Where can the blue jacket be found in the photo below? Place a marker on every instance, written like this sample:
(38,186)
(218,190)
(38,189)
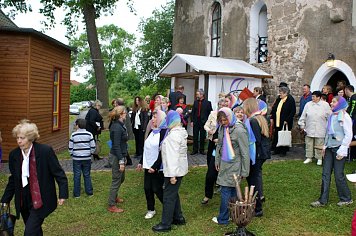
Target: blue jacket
(304,101)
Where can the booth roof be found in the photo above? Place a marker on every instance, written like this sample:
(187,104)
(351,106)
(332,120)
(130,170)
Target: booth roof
(183,65)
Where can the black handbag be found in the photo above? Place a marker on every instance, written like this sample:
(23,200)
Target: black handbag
(7,221)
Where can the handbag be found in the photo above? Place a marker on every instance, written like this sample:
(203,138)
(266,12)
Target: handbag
(284,137)
(7,221)
(97,147)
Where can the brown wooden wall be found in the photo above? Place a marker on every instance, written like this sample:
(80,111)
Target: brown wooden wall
(27,63)
(14,54)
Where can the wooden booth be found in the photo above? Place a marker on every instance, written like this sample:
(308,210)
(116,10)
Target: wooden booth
(34,85)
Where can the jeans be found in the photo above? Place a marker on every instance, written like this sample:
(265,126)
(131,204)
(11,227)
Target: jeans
(226,193)
(329,164)
(80,166)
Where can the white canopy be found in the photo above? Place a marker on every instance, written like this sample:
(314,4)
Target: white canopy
(182,65)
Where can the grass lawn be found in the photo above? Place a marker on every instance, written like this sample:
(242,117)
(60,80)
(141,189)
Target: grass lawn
(289,188)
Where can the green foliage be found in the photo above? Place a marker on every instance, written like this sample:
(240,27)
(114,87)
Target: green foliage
(81,93)
(155,48)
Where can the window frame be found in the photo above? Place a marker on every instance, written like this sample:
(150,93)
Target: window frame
(58,85)
(216,41)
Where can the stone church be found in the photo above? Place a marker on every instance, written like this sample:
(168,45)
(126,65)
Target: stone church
(289,39)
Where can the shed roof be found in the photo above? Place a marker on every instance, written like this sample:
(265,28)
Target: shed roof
(5,21)
(181,65)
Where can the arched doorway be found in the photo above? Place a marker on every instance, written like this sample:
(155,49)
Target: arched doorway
(330,75)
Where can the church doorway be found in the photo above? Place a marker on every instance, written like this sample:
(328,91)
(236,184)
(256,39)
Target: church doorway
(330,76)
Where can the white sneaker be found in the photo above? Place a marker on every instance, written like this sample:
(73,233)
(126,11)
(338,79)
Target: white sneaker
(215,220)
(150,214)
(320,162)
(308,160)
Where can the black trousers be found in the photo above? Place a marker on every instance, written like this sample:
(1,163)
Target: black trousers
(209,154)
(199,133)
(353,149)
(171,202)
(210,178)
(33,222)
(152,185)
(278,150)
(139,139)
(255,178)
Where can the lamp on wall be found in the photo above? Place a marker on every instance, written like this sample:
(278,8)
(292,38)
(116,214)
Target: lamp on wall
(330,62)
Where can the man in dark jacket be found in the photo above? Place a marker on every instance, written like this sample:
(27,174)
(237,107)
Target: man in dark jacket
(200,112)
(173,96)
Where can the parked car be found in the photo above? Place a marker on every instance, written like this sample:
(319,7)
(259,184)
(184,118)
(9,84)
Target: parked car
(86,103)
(79,105)
(74,110)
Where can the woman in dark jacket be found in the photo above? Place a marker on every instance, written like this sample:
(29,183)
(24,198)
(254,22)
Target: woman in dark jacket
(139,121)
(151,162)
(118,152)
(260,150)
(95,123)
(282,113)
(34,169)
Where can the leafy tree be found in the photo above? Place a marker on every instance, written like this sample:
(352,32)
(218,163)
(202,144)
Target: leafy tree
(116,49)
(82,10)
(81,93)
(155,48)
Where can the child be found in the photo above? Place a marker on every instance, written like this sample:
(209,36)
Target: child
(81,147)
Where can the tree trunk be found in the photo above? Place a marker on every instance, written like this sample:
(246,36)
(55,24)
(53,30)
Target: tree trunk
(95,52)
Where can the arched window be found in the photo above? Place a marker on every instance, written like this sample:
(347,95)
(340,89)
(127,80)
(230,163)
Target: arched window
(216,31)
(258,33)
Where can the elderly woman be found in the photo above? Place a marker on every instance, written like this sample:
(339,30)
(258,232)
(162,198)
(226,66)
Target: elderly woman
(152,161)
(34,168)
(336,144)
(175,166)
(95,123)
(282,114)
(211,174)
(231,158)
(313,122)
(117,156)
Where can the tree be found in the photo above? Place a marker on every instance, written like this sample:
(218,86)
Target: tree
(81,93)
(155,48)
(116,49)
(89,10)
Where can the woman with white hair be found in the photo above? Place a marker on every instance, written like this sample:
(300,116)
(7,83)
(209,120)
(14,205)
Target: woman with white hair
(34,169)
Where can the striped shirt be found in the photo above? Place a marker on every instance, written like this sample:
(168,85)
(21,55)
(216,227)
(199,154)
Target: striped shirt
(81,145)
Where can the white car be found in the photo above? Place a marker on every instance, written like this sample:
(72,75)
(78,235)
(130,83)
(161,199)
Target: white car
(74,110)
(86,103)
(79,105)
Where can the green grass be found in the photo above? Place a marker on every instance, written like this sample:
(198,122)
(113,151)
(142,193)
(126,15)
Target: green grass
(289,188)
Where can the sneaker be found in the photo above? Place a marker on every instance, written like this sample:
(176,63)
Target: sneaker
(308,160)
(341,203)
(317,204)
(215,220)
(150,214)
(320,162)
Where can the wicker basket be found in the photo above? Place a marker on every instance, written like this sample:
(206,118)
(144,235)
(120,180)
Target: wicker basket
(241,213)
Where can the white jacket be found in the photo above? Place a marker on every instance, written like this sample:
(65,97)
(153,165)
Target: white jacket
(314,119)
(174,153)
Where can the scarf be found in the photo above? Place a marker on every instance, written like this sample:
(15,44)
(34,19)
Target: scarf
(339,111)
(228,153)
(251,140)
(161,121)
(173,120)
(234,102)
(262,106)
(34,185)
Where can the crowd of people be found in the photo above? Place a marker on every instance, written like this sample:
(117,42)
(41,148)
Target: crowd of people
(241,137)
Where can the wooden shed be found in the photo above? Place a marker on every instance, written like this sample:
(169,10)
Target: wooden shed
(34,85)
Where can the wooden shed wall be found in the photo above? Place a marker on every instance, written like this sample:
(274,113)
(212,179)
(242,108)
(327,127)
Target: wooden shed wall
(44,58)
(27,63)
(14,56)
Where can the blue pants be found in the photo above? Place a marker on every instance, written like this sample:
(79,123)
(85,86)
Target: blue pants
(226,193)
(80,166)
(329,164)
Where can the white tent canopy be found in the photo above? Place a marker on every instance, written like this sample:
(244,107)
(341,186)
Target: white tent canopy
(182,64)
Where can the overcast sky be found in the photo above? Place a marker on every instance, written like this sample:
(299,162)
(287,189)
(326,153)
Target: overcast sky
(122,17)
